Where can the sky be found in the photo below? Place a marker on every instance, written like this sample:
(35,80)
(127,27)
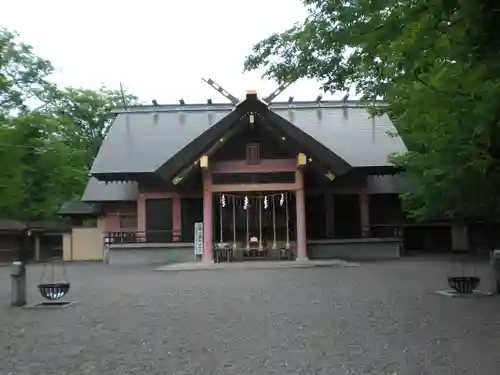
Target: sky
(157,49)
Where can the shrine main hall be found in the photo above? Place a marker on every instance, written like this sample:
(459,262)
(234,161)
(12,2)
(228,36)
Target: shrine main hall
(250,179)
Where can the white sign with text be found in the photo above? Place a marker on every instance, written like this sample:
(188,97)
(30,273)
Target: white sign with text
(198,239)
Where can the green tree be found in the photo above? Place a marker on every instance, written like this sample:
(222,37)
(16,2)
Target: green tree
(11,175)
(39,168)
(435,64)
(48,135)
(86,116)
(23,75)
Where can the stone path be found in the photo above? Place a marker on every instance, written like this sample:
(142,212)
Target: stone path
(378,318)
(206,266)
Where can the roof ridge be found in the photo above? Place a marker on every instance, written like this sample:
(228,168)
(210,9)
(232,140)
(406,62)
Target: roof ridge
(228,106)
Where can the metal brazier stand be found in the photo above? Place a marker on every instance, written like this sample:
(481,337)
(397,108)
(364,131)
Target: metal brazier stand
(465,283)
(54,290)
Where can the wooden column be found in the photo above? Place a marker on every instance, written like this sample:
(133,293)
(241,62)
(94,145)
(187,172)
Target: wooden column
(207,217)
(176,218)
(37,247)
(364,205)
(141,214)
(329,215)
(300,207)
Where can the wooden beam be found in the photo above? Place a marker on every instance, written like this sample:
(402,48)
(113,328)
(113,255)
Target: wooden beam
(265,166)
(183,174)
(221,188)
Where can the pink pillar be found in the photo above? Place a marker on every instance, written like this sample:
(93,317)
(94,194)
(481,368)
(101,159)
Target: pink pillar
(176,218)
(300,207)
(141,213)
(207,218)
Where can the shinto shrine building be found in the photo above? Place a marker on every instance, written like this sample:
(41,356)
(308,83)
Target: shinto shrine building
(288,180)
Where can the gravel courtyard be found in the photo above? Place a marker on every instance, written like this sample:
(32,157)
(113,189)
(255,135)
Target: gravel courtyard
(379,318)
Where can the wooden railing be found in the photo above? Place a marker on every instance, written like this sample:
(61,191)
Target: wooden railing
(136,237)
(168,236)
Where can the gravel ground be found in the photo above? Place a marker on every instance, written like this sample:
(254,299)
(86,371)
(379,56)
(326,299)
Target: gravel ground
(379,318)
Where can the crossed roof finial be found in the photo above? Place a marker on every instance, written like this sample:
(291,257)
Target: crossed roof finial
(234,100)
(269,99)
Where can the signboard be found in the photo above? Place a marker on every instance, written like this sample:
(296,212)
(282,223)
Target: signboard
(198,239)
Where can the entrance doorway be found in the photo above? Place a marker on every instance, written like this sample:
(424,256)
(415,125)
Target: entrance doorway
(257,223)
(159,220)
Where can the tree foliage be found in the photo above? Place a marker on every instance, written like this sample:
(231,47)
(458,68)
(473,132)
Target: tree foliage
(23,74)
(87,116)
(49,135)
(435,63)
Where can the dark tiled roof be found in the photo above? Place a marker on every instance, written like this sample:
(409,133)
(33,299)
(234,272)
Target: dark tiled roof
(79,208)
(97,191)
(350,133)
(7,225)
(11,225)
(50,226)
(141,140)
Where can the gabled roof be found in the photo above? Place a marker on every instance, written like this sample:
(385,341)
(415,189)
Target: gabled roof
(142,139)
(238,120)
